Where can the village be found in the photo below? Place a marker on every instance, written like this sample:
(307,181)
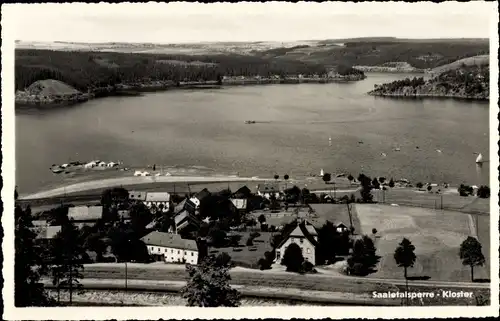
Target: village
(253,227)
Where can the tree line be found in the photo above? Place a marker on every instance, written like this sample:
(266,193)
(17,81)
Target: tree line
(87,70)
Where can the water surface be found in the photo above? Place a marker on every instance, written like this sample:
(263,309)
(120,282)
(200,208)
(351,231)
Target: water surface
(206,129)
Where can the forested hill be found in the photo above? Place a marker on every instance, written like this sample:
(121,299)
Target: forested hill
(87,70)
(466,82)
(420,54)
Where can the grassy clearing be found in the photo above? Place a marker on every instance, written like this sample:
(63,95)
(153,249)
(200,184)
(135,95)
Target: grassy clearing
(437,236)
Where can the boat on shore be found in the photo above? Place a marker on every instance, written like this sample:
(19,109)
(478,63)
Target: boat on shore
(249,121)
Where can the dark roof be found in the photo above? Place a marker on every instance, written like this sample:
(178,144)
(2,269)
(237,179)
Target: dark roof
(202,194)
(307,230)
(169,240)
(267,188)
(242,192)
(186,204)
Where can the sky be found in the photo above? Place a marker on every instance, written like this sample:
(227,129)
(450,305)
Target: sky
(186,23)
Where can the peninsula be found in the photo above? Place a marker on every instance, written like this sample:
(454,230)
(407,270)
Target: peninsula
(464,82)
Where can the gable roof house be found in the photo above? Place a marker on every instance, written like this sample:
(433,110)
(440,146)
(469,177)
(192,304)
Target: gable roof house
(304,234)
(242,192)
(171,248)
(158,199)
(198,197)
(184,220)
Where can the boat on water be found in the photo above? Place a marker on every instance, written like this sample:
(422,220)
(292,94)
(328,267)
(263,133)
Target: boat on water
(249,121)
(321,173)
(479,159)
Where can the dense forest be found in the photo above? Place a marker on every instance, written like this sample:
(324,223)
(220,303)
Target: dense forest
(87,70)
(471,82)
(419,54)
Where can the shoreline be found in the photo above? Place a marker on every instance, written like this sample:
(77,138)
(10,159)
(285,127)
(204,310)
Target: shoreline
(133,180)
(428,96)
(126,90)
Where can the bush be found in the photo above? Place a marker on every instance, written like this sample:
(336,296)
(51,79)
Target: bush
(374,230)
(249,241)
(465,190)
(483,191)
(419,185)
(429,188)
(307,266)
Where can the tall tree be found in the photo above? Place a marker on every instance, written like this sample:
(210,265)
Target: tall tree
(208,284)
(405,256)
(28,264)
(68,254)
(363,258)
(471,254)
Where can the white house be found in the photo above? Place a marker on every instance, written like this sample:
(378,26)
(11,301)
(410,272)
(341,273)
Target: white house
(341,228)
(267,190)
(171,248)
(198,197)
(305,236)
(90,164)
(157,199)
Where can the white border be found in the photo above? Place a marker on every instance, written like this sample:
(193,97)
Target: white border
(94,313)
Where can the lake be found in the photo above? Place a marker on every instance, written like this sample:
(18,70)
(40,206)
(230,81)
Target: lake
(204,130)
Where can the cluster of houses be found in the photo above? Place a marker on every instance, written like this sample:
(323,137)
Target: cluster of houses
(169,246)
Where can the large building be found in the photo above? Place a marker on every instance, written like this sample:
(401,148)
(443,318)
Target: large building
(305,236)
(159,200)
(171,248)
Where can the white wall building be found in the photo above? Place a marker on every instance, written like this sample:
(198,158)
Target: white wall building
(171,248)
(305,236)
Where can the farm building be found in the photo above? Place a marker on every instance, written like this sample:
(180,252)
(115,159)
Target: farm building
(171,248)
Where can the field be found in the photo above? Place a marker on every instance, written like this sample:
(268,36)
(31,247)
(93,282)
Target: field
(448,200)
(436,235)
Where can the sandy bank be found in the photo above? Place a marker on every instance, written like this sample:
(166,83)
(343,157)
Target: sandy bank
(133,180)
